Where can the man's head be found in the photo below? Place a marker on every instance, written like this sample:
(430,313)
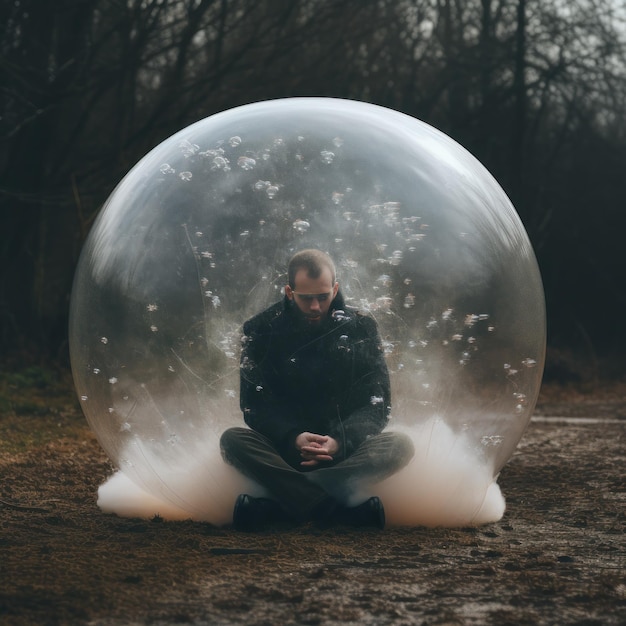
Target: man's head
(312,284)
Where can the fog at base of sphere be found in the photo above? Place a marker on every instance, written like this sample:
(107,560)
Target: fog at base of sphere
(445,485)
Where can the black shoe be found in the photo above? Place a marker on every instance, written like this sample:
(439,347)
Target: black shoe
(370,513)
(252,514)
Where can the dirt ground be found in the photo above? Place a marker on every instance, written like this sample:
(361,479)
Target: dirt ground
(557,557)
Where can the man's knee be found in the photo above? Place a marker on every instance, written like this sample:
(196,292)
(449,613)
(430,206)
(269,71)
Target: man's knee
(400,448)
(405,450)
(230,442)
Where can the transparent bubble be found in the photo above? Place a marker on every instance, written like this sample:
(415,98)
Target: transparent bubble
(301,226)
(246,163)
(424,240)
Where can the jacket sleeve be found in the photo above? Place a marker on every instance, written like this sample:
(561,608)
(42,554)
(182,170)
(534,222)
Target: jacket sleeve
(369,401)
(263,408)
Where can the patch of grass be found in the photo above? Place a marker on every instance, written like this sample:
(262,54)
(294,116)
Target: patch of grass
(30,408)
(38,404)
(36,391)
(34,376)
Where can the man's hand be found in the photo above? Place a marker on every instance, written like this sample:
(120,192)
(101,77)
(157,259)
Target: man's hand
(315,449)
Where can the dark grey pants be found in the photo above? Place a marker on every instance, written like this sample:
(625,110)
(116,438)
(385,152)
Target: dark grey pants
(301,493)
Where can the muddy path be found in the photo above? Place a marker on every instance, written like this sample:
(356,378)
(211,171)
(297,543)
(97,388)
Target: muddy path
(557,557)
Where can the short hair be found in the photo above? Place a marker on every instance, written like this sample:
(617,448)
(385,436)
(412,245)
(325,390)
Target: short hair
(313,261)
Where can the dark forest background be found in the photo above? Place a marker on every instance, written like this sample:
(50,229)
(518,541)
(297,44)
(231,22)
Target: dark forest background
(536,89)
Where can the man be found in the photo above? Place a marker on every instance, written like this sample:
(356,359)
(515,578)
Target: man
(315,393)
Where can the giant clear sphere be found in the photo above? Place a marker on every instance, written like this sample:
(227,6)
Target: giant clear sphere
(196,239)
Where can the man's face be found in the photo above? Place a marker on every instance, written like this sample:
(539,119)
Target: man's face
(313,296)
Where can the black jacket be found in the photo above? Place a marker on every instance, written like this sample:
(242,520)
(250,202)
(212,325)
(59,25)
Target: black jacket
(330,380)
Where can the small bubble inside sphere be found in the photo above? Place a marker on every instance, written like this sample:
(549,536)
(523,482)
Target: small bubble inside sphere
(196,239)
